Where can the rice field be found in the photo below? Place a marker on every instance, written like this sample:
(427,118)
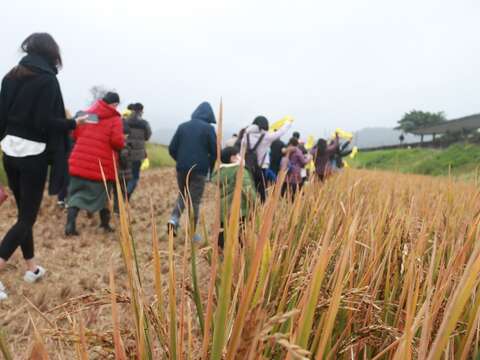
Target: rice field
(371,265)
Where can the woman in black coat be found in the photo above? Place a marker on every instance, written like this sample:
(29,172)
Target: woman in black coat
(33,135)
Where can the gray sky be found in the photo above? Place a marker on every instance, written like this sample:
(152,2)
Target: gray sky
(337,63)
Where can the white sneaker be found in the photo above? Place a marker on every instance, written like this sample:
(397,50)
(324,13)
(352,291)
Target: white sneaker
(31,277)
(3,294)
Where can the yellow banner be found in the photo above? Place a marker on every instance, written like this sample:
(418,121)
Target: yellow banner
(280,123)
(354,152)
(310,142)
(342,134)
(145,164)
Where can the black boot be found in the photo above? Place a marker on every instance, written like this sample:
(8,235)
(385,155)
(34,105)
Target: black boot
(71,228)
(105,220)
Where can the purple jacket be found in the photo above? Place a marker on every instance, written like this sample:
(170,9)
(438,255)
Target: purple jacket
(297,162)
(323,167)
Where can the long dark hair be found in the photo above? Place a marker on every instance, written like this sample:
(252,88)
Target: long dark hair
(44,45)
(321,147)
(293,142)
(261,122)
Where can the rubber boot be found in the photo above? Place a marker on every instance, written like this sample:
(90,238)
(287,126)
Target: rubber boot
(105,220)
(71,227)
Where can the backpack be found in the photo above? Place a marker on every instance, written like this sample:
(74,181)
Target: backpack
(251,158)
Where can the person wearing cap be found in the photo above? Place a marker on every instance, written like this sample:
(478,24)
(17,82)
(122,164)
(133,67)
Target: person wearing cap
(139,133)
(93,160)
(194,148)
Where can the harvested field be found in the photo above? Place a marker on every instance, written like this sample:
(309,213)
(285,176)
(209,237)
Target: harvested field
(369,264)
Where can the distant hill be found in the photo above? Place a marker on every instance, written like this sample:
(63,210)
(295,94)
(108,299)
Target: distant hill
(378,136)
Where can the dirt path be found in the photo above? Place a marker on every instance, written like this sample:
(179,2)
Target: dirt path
(79,266)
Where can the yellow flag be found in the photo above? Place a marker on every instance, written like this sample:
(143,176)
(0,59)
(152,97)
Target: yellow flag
(280,123)
(310,142)
(343,134)
(126,113)
(310,166)
(354,152)
(145,164)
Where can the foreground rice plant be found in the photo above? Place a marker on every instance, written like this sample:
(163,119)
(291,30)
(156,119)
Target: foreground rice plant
(371,265)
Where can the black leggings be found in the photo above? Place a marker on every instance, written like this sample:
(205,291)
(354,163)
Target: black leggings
(260,185)
(290,189)
(26,178)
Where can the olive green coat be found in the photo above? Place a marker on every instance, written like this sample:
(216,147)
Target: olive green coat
(228,176)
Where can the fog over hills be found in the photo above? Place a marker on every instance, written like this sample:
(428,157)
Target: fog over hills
(364,138)
(380,136)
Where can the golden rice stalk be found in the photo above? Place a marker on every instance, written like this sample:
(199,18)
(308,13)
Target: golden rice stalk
(265,231)
(38,352)
(224,301)
(172,300)
(310,300)
(216,229)
(456,305)
(337,292)
(117,339)
(157,268)
(472,329)
(82,344)
(4,347)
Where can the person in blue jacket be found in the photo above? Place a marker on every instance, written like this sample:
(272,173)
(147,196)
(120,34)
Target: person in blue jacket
(194,148)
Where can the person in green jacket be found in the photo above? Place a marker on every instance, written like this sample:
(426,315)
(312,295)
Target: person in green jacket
(227,174)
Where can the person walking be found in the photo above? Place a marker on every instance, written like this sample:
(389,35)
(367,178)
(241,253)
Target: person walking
(94,159)
(139,133)
(322,153)
(276,154)
(33,132)
(293,163)
(258,140)
(340,153)
(62,195)
(227,174)
(124,164)
(194,148)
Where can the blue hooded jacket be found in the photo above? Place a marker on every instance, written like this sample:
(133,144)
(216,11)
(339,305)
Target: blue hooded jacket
(194,145)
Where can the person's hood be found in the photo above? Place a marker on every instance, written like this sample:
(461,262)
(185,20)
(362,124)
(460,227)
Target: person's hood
(37,64)
(103,110)
(205,113)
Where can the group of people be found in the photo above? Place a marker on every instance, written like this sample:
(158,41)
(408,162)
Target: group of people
(106,148)
(265,157)
(85,155)
(81,156)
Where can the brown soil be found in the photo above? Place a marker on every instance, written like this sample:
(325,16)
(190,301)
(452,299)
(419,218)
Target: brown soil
(80,266)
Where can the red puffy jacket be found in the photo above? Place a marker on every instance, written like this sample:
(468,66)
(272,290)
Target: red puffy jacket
(97,144)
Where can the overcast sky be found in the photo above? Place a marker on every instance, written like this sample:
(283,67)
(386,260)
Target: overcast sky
(336,63)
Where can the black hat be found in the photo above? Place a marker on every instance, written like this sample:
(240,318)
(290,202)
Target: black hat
(137,107)
(296,135)
(111,98)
